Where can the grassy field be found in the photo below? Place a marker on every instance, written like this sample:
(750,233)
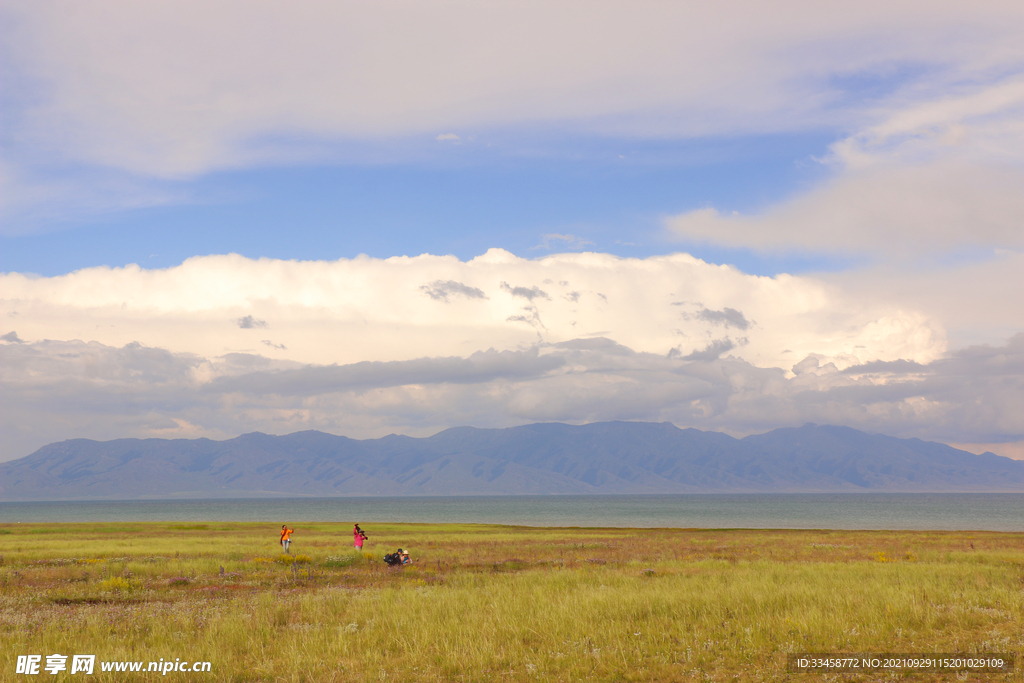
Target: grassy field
(493,603)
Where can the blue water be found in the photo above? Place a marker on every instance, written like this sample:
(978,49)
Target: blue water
(939,511)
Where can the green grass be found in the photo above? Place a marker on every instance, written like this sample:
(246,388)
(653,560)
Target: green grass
(499,603)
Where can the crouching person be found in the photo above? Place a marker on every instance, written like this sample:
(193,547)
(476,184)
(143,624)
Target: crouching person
(397,558)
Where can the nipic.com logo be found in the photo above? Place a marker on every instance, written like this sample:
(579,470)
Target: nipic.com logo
(33,665)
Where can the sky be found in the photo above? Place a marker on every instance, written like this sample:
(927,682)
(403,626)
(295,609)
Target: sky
(398,217)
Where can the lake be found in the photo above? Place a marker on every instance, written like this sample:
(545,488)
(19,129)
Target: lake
(939,511)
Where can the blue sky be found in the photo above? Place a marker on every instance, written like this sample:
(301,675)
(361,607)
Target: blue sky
(460,201)
(404,216)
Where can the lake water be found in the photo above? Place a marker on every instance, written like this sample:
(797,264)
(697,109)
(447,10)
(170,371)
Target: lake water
(950,511)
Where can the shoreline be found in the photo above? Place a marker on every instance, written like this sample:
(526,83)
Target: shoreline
(868,511)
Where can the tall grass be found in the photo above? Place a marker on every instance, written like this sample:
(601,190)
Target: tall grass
(488,603)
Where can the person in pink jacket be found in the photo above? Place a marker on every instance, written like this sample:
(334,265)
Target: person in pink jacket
(358,536)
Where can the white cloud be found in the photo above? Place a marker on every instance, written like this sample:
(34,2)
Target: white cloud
(150,88)
(29,197)
(982,123)
(404,308)
(902,212)
(565,241)
(977,299)
(929,177)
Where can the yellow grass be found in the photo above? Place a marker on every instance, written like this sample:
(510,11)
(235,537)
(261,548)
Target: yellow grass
(492,603)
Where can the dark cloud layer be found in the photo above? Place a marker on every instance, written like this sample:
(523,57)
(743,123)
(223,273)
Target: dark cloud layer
(249,323)
(529,293)
(728,317)
(440,290)
(56,390)
(712,351)
(481,367)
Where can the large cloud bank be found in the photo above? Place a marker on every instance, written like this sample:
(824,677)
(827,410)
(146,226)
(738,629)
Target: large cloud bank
(402,308)
(365,347)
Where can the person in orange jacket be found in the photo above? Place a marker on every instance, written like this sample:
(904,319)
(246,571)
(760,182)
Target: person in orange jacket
(286,536)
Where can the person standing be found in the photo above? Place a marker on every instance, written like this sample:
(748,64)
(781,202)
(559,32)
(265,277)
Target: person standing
(358,536)
(286,536)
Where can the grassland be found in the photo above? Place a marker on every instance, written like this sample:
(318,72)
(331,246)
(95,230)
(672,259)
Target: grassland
(492,603)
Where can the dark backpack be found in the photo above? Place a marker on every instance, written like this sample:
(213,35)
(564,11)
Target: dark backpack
(392,559)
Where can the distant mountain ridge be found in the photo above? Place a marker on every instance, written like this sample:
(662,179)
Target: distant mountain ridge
(546,458)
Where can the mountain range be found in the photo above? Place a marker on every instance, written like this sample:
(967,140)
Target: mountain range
(548,458)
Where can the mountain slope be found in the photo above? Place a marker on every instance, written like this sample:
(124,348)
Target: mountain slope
(551,458)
